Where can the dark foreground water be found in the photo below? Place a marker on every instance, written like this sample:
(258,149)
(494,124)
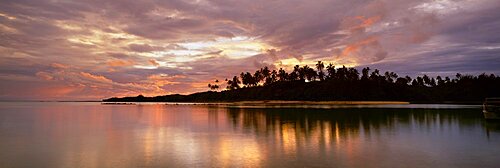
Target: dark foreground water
(94,135)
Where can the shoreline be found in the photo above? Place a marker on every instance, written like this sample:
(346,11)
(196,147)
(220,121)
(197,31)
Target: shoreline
(271,102)
(282,102)
(302,104)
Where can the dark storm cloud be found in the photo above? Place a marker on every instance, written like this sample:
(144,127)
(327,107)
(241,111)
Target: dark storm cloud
(458,59)
(467,43)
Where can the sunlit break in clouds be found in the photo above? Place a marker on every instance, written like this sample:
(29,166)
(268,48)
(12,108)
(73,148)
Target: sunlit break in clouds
(89,50)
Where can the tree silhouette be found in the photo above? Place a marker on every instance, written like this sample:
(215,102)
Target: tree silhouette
(307,73)
(233,84)
(408,79)
(258,77)
(427,80)
(247,79)
(420,81)
(271,78)
(352,74)
(365,73)
(282,75)
(440,81)
(295,74)
(402,81)
(321,74)
(265,72)
(390,76)
(341,84)
(375,76)
(331,71)
(214,86)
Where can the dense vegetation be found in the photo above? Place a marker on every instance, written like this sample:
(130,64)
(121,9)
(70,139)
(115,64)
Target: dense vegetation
(324,83)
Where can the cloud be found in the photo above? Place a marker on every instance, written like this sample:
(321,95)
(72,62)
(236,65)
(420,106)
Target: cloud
(154,62)
(143,48)
(86,81)
(45,75)
(94,49)
(95,78)
(59,66)
(164,79)
(119,63)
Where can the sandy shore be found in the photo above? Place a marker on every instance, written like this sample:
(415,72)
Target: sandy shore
(278,102)
(266,102)
(281,102)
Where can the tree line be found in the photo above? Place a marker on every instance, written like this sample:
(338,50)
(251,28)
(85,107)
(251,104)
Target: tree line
(327,83)
(264,76)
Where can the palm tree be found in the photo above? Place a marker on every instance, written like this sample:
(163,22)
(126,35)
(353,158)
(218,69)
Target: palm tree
(365,73)
(282,75)
(243,80)
(433,82)
(427,80)
(341,73)
(320,66)
(447,80)
(274,75)
(440,81)
(266,72)
(390,76)
(352,74)
(229,83)
(302,73)
(247,79)
(234,83)
(374,76)
(401,81)
(331,71)
(408,78)
(213,87)
(414,82)
(258,76)
(420,81)
(309,73)
(295,74)
(271,78)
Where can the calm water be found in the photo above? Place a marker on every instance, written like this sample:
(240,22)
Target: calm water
(94,135)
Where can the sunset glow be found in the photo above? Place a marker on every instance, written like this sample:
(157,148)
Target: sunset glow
(90,50)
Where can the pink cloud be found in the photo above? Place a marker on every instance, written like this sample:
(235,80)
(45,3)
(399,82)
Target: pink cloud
(108,48)
(44,75)
(96,78)
(119,63)
(59,66)
(154,62)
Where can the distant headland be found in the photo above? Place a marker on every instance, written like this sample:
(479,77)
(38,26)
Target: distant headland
(328,83)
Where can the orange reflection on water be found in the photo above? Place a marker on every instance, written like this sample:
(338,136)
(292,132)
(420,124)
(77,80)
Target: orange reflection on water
(188,133)
(337,133)
(327,135)
(288,138)
(239,151)
(212,136)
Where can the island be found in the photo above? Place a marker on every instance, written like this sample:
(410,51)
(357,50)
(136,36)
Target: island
(331,84)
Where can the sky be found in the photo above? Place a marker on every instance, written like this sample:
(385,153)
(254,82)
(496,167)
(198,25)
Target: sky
(94,49)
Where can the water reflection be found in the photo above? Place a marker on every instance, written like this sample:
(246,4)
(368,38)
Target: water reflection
(71,135)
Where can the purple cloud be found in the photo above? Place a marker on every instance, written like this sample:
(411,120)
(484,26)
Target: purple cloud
(84,48)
